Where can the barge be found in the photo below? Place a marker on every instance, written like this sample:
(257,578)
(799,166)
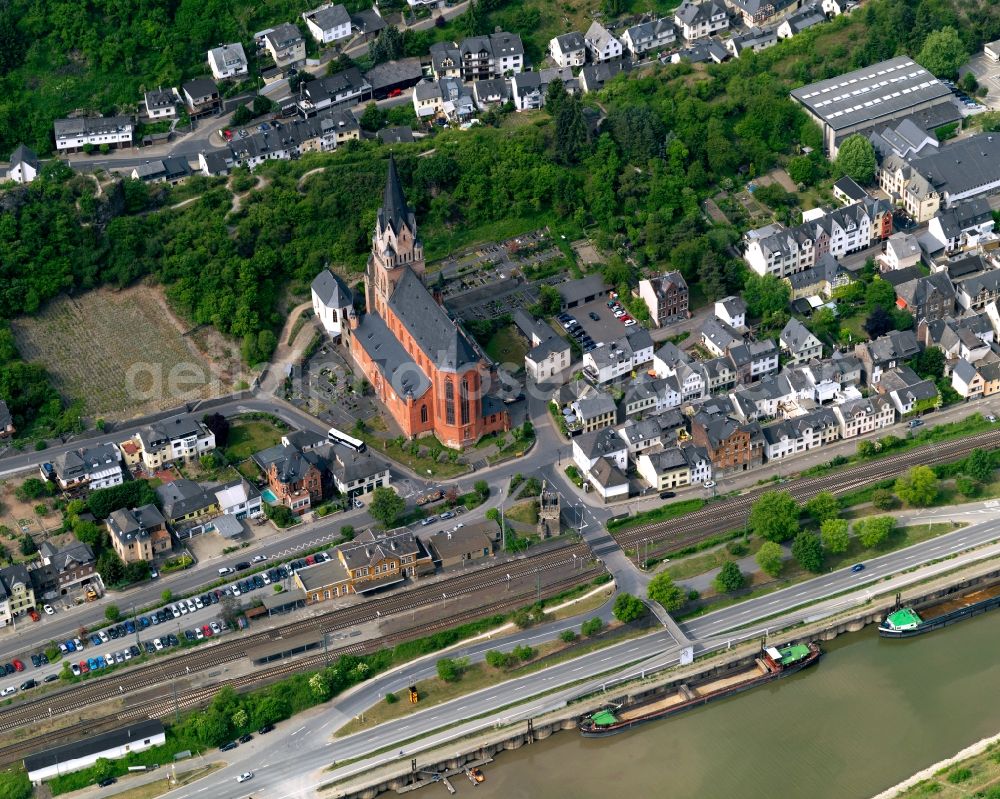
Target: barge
(771,664)
(905,622)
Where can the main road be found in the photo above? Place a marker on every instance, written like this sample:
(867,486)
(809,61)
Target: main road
(292,762)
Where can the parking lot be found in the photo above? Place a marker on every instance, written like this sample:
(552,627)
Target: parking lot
(606,328)
(987,72)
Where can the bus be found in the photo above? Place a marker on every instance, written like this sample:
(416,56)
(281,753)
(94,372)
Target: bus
(337,437)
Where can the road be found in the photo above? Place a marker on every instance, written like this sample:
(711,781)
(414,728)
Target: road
(292,762)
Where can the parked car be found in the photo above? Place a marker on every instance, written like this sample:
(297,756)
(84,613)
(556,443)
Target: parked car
(95,639)
(10,689)
(153,573)
(27,685)
(228,747)
(48,610)
(447,515)
(18,665)
(246,738)
(265,729)
(216,627)
(34,615)
(173,640)
(103,635)
(108,781)
(395,93)
(36,661)
(258,558)
(149,646)
(206,630)
(190,636)
(75,668)
(709,484)
(51,678)
(226,570)
(915,423)
(227,135)
(630,322)
(242,565)
(134,651)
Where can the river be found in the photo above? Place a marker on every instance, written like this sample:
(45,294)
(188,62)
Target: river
(870,714)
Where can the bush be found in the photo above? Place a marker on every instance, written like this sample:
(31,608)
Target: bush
(391,698)
(729,578)
(452,669)
(959,775)
(770,558)
(567,636)
(112,613)
(737,549)
(884,499)
(15,785)
(592,627)
(628,608)
(347,532)
(965,486)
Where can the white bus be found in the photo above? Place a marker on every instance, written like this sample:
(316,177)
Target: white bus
(337,437)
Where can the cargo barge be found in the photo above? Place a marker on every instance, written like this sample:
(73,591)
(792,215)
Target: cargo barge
(771,664)
(905,622)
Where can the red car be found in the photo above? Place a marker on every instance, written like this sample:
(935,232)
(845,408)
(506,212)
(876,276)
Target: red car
(227,134)
(84,668)
(310,560)
(625,318)
(207,630)
(395,93)
(34,614)
(18,665)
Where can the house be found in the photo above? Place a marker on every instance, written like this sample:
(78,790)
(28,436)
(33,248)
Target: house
(375,561)
(800,434)
(640,436)
(992,51)
(568,50)
(800,344)
(801,20)
(139,534)
(902,250)
(978,291)
(649,36)
(859,417)
(759,12)
(963,226)
(619,358)
(549,355)
(490,92)
(72,566)
(608,480)
(7,428)
(396,135)
(178,438)
(211,164)
(169,169)
(185,501)
(432,376)
(718,337)
(293,476)
(754,40)
(228,61)
(664,470)
(201,96)
(732,311)
(848,191)
(593,77)
(719,373)
(701,52)
(357,473)
(886,352)
(286,46)
(834,8)
(392,77)
(967,380)
(88,749)
(161,103)
(454,548)
(580,291)
(698,20)
(601,44)
(497,55)
(90,468)
(368,22)
(908,392)
(19,590)
(239,499)
(754,359)
(990,372)
(332,302)
(24,165)
(666,297)
(77,133)
(328,23)
(349,86)
(968,338)
(595,412)
(930,297)
(731,446)
(650,395)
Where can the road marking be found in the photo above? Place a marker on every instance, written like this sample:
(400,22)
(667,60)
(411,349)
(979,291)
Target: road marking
(298,731)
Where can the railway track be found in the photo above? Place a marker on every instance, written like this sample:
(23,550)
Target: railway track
(666,537)
(163,707)
(202,658)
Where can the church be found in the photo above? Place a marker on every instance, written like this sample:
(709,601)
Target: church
(428,372)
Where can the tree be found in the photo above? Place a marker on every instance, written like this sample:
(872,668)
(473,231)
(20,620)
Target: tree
(346,532)
(474,21)
(219,425)
(592,627)
(628,608)
(661,589)
(482,489)
(166,595)
(112,613)
(928,363)
(874,530)
(339,64)
(979,465)
(554,96)
(884,499)
(774,516)
(771,558)
(823,506)
(808,551)
(943,52)
(571,132)
(28,545)
(262,105)
(801,169)
(388,46)
(729,578)
(33,488)
(373,118)
(879,322)
(567,636)
(549,301)
(637,130)
(386,506)
(856,159)
(14,784)
(242,115)
(136,572)
(833,533)
(917,487)
(966,486)
(765,294)
(111,567)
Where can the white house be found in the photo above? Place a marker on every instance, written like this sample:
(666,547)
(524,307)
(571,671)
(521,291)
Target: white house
(664,470)
(732,311)
(332,302)
(608,480)
(992,51)
(77,133)
(179,438)
(591,447)
(86,751)
(966,380)
(228,61)
(799,343)
(328,23)
(800,434)
(24,165)
(286,46)
(901,251)
(568,50)
(640,436)
(239,499)
(93,467)
(601,44)
(698,20)
(161,103)
(860,416)
(620,357)
(647,36)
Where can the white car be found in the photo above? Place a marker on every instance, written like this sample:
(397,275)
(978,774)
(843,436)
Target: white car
(226,570)
(104,636)
(10,689)
(630,322)
(48,610)
(709,484)
(191,606)
(198,633)
(73,667)
(198,603)
(158,644)
(258,558)
(216,627)
(246,775)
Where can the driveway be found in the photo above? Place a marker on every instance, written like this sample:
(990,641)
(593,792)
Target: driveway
(987,72)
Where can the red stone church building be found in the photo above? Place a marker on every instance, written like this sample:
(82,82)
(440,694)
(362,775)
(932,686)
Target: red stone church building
(430,374)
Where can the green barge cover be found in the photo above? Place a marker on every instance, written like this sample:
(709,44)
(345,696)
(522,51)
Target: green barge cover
(604,718)
(793,654)
(904,619)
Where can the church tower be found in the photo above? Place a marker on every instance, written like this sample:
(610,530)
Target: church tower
(395,245)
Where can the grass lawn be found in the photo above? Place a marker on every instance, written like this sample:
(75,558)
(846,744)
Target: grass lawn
(664,512)
(248,437)
(524,512)
(974,776)
(409,455)
(693,565)
(507,346)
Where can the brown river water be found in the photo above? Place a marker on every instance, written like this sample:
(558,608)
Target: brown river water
(869,715)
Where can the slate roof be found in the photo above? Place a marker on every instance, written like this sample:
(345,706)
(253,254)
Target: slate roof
(796,336)
(181,497)
(570,42)
(694,13)
(331,290)
(395,212)
(897,345)
(576,290)
(849,187)
(607,475)
(668,460)
(329,17)
(368,549)
(986,281)
(383,348)
(721,334)
(962,165)
(129,523)
(964,370)
(595,405)
(78,463)
(919,292)
(79,127)
(160,98)
(392,73)
(349,465)
(24,155)
(633,432)
(395,135)
(199,88)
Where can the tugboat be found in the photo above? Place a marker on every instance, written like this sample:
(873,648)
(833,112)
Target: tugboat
(475,775)
(771,664)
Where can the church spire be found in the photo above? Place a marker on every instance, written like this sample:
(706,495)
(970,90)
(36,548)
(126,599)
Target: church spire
(394,212)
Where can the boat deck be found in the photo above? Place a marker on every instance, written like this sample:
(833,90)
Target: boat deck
(960,602)
(678,697)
